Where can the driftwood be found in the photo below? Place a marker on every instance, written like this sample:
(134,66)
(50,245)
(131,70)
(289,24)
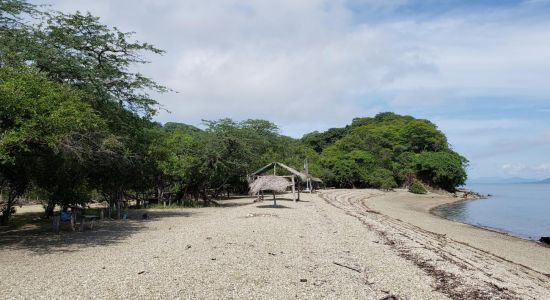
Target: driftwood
(348,267)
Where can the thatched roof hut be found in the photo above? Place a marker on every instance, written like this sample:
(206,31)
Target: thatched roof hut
(292,171)
(277,184)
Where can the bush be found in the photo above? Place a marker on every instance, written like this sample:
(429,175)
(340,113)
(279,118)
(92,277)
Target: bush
(417,188)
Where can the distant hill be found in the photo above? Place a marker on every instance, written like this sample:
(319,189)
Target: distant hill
(387,151)
(544,181)
(501,180)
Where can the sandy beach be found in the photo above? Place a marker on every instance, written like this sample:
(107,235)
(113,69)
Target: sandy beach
(346,244)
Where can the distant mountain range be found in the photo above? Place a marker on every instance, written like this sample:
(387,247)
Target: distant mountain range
(508,180)
(547,180)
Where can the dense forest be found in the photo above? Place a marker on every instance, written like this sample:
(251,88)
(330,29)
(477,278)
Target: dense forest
(76,125)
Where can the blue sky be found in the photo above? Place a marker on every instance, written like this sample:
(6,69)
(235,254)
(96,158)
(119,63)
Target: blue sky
(479,69)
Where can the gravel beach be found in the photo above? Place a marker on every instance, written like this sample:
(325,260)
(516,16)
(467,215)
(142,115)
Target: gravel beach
(334,244)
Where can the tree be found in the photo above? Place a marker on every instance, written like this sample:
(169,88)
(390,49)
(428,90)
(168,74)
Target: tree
(96,61)
(441,169)
(399,149)
(422,135)
(39,119)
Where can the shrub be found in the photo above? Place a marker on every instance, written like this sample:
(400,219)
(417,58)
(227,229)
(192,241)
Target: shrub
(417,188)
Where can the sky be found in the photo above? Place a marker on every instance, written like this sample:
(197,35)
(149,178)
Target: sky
(480,70)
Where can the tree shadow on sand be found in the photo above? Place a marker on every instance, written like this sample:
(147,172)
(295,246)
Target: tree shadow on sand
(43,241)
(272,206)
(236,201)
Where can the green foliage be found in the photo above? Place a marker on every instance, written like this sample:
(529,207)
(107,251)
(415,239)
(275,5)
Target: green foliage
(417,188)
(44,127)
(389,149)
(72,107)
(441,169)
(319,141)
(37,113)
(218,158)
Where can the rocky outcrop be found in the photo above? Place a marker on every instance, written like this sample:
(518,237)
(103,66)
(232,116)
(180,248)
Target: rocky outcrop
(469,195)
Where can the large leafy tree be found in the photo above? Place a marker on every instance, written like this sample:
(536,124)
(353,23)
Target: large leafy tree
(97,62)
(40,119)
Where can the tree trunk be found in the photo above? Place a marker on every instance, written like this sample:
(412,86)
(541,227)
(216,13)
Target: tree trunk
(5,215)
(205,197)
(49,209)
(196,194)
(6,212)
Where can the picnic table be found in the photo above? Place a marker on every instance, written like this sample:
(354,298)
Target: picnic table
(89,218)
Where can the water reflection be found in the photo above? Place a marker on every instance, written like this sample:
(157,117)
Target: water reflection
(456,211)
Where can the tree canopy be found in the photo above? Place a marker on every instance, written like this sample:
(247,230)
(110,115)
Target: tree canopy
(390,150)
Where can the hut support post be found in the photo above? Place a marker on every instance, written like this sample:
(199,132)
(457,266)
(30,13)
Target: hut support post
(293,190)
(274,200)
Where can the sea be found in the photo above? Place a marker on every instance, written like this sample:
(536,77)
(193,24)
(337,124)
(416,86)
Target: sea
(521,210)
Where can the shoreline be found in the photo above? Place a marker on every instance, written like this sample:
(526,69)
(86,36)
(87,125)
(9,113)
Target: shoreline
(418,210)
(464,261)
(436,212)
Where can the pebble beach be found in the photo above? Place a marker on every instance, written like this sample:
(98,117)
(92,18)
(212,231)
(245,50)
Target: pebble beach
(345,244)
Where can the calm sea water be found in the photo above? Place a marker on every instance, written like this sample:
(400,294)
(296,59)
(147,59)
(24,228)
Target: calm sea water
(522,210)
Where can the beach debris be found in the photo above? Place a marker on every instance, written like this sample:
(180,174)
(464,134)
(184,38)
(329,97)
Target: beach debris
(271,253)
(252,215)
(348,267)
(141,272)
(545,240)
(213,259)
(188,247)
(303,280)
(391,297)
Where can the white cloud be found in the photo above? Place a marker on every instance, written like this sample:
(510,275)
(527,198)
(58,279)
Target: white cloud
(291,60)
(314,64)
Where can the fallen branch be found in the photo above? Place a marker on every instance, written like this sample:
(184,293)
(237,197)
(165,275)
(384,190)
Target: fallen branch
(348,267)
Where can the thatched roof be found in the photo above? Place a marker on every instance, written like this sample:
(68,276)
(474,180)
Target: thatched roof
(300,175)
(269,183)
(316,179)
